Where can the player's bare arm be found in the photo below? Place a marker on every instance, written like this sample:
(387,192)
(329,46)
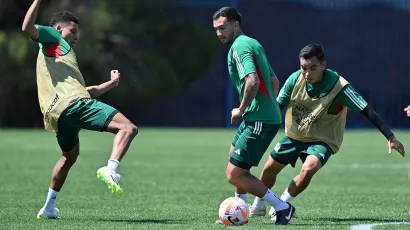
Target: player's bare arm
(407,110)
(393,142)
(250,91)
(98,90)
(274,81)
(28,26)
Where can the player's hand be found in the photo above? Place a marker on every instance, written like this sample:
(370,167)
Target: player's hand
(397,145)
(115,77)
(236,115)
(407,110)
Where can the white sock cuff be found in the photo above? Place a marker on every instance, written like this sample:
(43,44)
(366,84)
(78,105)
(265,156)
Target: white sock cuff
(113,164)
(52,192)
(113,160)
(242,196)
(286,196)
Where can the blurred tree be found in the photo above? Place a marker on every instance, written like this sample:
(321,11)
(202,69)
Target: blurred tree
(157,55)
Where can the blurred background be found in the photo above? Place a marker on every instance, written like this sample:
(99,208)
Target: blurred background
(173,67)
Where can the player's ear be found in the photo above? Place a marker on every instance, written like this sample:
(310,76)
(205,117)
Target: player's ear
(324,64)
(59,29)
(236,25)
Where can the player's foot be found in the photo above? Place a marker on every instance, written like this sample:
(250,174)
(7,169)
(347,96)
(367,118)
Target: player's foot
(272,214)
(255,211)
(283,216)
(111,179)
(48,214)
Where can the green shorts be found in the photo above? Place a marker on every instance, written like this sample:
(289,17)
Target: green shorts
(87,114)
(288,150)
(251,142)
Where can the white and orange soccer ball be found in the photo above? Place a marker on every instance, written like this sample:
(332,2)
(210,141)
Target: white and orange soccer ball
(234,211)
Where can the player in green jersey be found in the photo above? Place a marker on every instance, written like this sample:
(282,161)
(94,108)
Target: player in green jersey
(256,84)
(68,105)
(317,100)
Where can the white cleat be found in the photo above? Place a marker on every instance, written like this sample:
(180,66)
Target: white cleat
(255,211)
(45,214)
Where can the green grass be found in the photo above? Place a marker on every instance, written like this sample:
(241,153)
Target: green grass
(175,179)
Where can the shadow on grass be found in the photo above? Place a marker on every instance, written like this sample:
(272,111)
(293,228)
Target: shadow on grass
(145,221)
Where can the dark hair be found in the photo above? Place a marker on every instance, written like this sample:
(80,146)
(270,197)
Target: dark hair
(63,17)
(312,50)
(230,13)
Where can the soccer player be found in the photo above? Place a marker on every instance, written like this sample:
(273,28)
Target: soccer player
(407,110)
(68,105)
(253,78)
(317,100)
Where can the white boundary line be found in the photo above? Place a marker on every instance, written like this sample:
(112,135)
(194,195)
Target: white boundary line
(370,166)
(370,226)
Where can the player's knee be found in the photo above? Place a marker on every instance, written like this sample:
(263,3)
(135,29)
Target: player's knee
(72,155)
(309,170)
(70,158)
(272,168)
(131,129)
(230,175)
(234,174)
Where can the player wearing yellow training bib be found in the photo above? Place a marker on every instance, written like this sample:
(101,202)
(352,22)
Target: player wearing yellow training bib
(317,100)
(68,105)
(257,86)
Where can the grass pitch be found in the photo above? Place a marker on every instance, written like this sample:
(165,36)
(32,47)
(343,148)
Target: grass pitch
(175,179)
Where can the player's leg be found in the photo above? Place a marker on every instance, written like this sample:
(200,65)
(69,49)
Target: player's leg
(124,131)
(68,141)
(238,191)
(94,115)
(314,158)
(248,152)
(286,151)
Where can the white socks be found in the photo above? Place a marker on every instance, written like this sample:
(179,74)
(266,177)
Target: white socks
(276,203)
(286,196)
(259,203)
(113,164)
(242,196)
(51,200)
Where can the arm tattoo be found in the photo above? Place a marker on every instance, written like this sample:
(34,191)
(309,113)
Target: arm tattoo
(250,91)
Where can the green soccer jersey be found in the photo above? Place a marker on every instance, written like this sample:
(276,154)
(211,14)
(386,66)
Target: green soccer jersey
(347,96)
(248,56)
(51,43)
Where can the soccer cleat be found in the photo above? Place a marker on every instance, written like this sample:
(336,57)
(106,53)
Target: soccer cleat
(272,214)
(255,211)
(283,216)
(111,179)
(43,214)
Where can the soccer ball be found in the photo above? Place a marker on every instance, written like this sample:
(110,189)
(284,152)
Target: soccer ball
(234,211)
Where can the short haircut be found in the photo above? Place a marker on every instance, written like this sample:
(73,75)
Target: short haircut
(229,13)
(312,50)
(63,17)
